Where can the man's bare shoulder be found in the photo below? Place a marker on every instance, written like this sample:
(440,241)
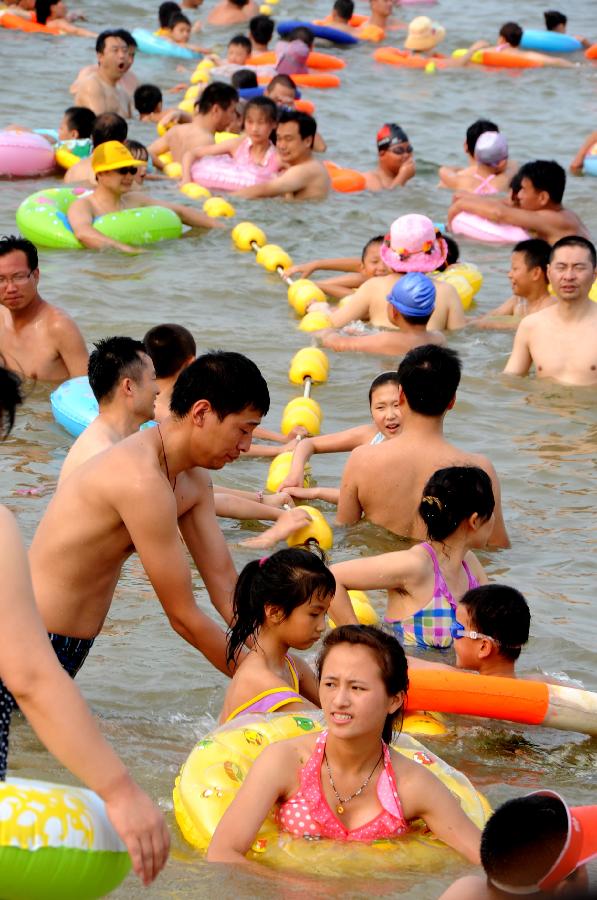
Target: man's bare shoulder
(58,321)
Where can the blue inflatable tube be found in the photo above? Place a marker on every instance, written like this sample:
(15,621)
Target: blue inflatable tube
(251,93)
(74,407)
(158,46)
(590,165)
(321,31)
(549,41)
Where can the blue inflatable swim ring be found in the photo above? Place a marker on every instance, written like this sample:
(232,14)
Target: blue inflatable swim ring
(321,31)
(251,93)
(158,46)
(590,165)
(74,407)
(549,41)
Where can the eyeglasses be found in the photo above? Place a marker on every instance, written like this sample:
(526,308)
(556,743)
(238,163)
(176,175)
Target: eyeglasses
(399,150)
(127,170)
(19,278)
(457,630)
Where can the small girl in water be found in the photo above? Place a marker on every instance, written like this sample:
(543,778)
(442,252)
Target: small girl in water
(346,783)
(279,602)
(253,150)
(425,583)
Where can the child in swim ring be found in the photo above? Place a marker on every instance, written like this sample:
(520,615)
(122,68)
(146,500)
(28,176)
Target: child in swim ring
(253,150)
(55,14)
(279,602)
(425,583)
(346,783)
(369,265)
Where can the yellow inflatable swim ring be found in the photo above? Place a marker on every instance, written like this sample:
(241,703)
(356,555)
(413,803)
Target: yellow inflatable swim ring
(218,764)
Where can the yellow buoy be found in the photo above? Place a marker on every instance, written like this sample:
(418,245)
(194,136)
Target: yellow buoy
(363,610)
(245,234)
(165,158)
(302,293)
(218,208)
(192,92)
(265,9)
(272,257)
(309,362)
(278,471)
(194,191)
(187,106)
(317,529)
(173,170)
(199,76)
(315,321)
(300,413)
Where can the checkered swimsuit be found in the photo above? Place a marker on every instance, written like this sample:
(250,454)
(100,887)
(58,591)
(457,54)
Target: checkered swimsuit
(430,626)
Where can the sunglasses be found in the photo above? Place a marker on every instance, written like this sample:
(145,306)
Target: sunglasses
(457,630)
(127,170)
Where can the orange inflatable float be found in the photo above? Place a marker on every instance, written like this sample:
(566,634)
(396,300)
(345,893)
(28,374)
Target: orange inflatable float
(591,53)
(364,32)
(345,181)
(510,699)
(19,23)
(499,60)
(304,106)
(393,56)
(314,80)
(315,60)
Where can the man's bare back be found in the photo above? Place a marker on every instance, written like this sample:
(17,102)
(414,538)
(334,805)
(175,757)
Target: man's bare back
(182,138)
(97,437)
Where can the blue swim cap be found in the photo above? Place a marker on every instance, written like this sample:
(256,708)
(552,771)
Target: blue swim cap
(413,295)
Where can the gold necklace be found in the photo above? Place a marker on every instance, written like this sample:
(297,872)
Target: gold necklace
(342,801)
(166,459)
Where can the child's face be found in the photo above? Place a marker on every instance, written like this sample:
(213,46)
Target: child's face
(385,409)
(282,96)
(373,264)
(258,126)
(237,55)
(181,33)
(465,648)
(305,624)
(139,178)
(520,275)
(65,132)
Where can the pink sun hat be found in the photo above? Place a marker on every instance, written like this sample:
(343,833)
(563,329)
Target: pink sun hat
(413,245)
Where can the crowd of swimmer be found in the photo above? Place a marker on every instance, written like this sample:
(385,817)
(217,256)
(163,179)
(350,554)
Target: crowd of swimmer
(123,490)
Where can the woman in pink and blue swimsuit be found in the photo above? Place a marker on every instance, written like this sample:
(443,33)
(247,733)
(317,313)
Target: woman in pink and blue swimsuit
(346,783)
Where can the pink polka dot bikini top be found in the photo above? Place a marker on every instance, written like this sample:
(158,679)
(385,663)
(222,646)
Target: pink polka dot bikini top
(308,814)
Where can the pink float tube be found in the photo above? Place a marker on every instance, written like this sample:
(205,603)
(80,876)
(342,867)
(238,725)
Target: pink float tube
(23,154)
(480,229)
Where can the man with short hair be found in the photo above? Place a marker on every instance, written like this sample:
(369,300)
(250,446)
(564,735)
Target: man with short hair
(395,161)
(305,177)
(37,339)
(561,341)
(122,378)
(385,482)
(101,90)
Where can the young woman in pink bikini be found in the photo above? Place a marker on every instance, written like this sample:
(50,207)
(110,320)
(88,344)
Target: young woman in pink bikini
(280,602)
(346,783)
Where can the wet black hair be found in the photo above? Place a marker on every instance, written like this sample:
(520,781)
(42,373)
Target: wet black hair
(113,359)
(287,579)
(267,107)
(474,132)
(301,33)
(216,94)
(389,656)
(244,78)
(239,3)
(170,346)
(100,43)
(536,253)
(307,125)
(147,98)
(515,184)
(126,36)
(284,80)
(511,33)
(11,242)
(384,378)
(229,381)
(80,119)
(261,29)
(523,838)
(453,254)
(429,376)
(43,10)
(137,149)
(178,18)
(576,240)
(502,613)
(378,239)
(10,398)
(166,11)
(240,40)
(553,18)
(344,9)
(452,495)
(545,175)
(109,126)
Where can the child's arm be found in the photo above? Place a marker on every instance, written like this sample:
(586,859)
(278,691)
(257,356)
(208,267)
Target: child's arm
(382,572)
(577,163)
(308,684)
(193,217)
(338,442)
(357,307)
(335,264)
(491,322)
(220,149)
(342,285)
(328,495)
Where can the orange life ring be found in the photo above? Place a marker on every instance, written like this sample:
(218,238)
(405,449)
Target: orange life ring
(345,181)
(314,60)
(304,106)
(393,56)
(18,23)
(591,53)
(315,80)
(499,60)
(366,33)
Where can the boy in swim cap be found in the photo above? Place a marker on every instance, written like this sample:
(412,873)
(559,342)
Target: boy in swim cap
(490,172)
(395,161)
(460,179)
(535,846)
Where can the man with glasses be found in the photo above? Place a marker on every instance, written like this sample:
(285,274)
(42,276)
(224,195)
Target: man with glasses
(395,163)
(115,169)
(37,340)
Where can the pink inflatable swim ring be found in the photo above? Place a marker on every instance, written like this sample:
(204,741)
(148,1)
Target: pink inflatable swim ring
(231,173)
(480,229)
(23,154)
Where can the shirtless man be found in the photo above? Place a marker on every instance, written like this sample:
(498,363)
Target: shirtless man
(305,177)
(215,110)
(528,277)
(540,209)
(122,378)
(561,341)
(37,339)
(101,91)
(115,169)
(410,234)
(385,482)
(128,80)
(134,498)
(232,12)
(410,305)
(283,91)
(395,161)
(461,179)
(381,15)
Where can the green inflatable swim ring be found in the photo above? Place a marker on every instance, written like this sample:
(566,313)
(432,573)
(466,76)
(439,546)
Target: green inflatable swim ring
(43,219)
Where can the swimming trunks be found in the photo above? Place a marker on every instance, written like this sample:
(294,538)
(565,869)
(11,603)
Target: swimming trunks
(430,626)
(71,653)
(273,699)
(308,814)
